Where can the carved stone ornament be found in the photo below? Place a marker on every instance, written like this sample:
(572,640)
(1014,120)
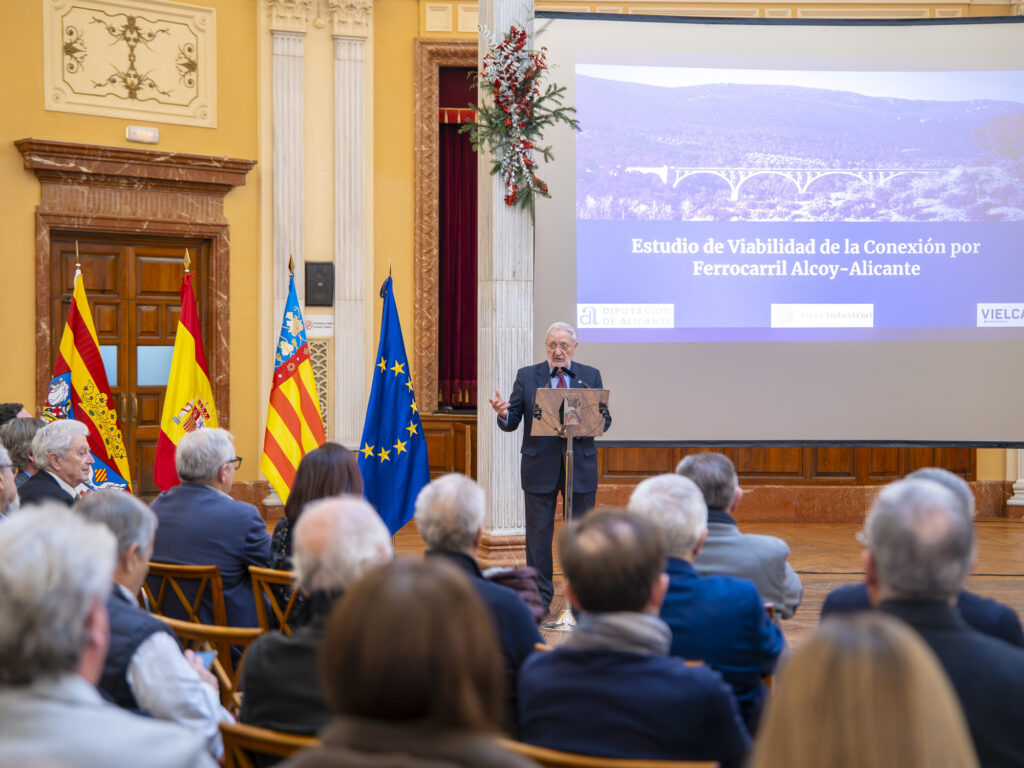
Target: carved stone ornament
(350,17)
(289,15)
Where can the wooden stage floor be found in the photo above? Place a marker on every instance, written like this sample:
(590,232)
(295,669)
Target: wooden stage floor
(826,555)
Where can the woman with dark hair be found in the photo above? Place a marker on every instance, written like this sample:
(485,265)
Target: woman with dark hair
(412,674)
(329,470)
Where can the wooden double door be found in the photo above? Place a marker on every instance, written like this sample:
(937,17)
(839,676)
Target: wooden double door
(132,285)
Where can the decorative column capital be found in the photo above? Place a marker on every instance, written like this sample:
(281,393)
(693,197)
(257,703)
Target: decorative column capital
(289,15)
(1017,9)
(350,17)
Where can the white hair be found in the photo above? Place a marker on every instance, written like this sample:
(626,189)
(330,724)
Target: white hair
(561,327)
(676,506)
(337,540)
(56,437)
(450,512)
(201,454)
(54,565)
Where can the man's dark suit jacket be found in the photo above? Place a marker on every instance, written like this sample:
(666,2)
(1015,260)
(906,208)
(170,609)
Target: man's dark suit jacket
(987,675)
(610,703)
(988,616)
(513,623)
(199,525)
(42,487)
(542,456)
(721,621)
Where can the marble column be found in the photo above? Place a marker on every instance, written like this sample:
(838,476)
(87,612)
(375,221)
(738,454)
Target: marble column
(352,116)
(1017,500)
(505,324)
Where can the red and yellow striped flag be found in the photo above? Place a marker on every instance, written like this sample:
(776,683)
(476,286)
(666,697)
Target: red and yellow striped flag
(294,424)
(188,403)
(79,390)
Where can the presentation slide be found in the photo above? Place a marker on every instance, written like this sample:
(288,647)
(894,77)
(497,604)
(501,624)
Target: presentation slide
(768,190)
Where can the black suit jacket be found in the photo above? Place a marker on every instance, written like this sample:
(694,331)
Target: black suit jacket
(987,675)
(988,616)
(42,487)
(542,456)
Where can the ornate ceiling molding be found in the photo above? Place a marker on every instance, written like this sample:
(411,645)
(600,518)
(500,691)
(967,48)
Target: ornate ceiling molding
(289,15)
(350,18)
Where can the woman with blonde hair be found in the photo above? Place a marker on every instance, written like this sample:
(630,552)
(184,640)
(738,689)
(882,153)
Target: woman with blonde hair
(864,692)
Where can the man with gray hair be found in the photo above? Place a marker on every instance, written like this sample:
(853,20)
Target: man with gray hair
(719,620)
(981,613)
(145,668)
(61,451)
(335,541)
(8,489)
(729,552)
(55,570)
(919,548)
(450,518)
(542,469)
(201,525)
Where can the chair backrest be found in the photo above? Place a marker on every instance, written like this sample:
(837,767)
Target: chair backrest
(221,640)
(177,591)
(241,742)
(553,758)
(264,581)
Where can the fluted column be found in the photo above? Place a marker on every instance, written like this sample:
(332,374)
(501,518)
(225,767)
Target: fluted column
(505,322)
(350,23)
(1017,500)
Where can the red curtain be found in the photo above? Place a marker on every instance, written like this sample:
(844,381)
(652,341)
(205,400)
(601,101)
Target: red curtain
(456,370)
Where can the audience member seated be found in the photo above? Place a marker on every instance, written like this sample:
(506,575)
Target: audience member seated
(727,551)
(863,691)
(8,490)
(61,451)
(16,436)
(55,577)
(611,689)
(981,613)
(199,524)
(10,411)
(145,669)
(412,674)
(336,541)
(450,518)
(719,620)
(919,549)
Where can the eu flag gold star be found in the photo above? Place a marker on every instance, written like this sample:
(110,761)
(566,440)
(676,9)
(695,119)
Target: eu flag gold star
(382,364)
(411,429)
(415,408)
(367,451)
(398,367)
(384,455)
(399,448)
(408,385)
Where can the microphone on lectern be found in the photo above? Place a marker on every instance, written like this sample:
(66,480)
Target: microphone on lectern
(569,372)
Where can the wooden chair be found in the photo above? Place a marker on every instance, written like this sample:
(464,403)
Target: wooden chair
(221,640)
(263,582)
(182,589)
(553,758)
(242,742)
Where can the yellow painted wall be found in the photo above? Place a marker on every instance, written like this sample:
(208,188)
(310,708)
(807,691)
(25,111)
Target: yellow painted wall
(21,98)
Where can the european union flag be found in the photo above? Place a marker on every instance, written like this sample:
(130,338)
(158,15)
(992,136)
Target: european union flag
(393,452)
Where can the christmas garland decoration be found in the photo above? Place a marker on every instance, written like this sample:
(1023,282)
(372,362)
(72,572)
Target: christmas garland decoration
(510,124)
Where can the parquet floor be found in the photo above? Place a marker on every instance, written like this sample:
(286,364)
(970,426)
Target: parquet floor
(826,555)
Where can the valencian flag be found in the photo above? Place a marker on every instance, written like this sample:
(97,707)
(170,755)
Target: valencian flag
(393,456)
(294,424)
(188,403)
(79,390)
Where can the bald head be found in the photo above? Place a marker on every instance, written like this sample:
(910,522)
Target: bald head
(335,541)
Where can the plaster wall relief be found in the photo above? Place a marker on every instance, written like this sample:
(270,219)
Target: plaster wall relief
(153,60)
(350,18)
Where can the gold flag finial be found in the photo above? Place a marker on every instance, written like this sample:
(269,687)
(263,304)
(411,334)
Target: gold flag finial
(78,264)
(188,261)
(291,265)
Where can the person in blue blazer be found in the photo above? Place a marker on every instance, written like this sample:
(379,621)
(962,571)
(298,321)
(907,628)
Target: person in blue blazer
(199,524)
(542,469)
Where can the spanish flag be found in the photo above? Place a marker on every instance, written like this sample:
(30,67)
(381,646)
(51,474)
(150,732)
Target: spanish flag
(188,402)
(79,390)
(294,424)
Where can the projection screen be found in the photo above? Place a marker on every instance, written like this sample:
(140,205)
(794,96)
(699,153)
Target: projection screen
(790,232)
